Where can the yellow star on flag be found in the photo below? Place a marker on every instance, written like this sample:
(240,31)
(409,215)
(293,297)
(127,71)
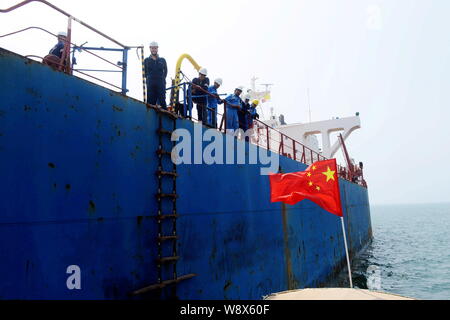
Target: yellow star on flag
(314,168)
(309,174)
(318,188)
(329,174)
(310,184)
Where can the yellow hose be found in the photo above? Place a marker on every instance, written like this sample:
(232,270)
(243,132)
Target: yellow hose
(178,76)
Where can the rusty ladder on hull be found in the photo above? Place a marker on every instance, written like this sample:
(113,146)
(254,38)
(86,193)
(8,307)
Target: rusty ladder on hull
(162,218)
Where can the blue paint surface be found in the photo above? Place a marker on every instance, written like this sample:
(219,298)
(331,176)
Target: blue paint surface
(78,185)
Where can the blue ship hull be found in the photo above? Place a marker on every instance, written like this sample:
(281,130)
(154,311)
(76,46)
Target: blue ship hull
(78,185)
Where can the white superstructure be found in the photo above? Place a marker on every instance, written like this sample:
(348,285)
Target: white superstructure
(305,133)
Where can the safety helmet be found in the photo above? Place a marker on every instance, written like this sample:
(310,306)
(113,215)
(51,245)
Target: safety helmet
(255,102)
(218,81)
(241,88)
(62,33)
(203,71)
(247,97)
(154,44)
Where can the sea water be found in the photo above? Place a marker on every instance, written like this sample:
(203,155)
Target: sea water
(409,254)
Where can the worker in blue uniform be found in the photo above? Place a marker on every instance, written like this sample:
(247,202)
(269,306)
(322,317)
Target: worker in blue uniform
(250,117)
(58,49)
(233,104)
(199,92)
(56,54)
(156,73)
(242,114)
(213,102)
(252,114)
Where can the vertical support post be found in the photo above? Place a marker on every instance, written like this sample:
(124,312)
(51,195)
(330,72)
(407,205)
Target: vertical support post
(176,85)
(225,115)
(304,155)
(268,141)
(144,84)
(190,105)
(66,54)
(73,59)
(257,136)
(124,70)
(184,100)
(282,144)
(346,253)
(295,151)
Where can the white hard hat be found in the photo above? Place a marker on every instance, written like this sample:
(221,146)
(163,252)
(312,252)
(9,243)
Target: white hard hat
(203,71)
(218,81)
(240,88)
(247,97)
(154,44)
(62,33)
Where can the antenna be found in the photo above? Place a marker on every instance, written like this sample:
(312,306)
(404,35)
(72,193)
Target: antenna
(267,85)
(253,81)
(309,104)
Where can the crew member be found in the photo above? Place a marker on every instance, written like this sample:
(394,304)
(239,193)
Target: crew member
(243,112)
(213,101)
(55,55)
(58,49)
(156,74)
(233,104)
(250,117)
(252,113)
(200,96)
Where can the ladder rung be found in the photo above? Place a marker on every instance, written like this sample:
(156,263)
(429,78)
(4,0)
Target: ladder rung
(168,259)
(164,152)
(167,113)
(163,131)
(166,238)
(167,195)
(167,216)
(166,173)
(163,284)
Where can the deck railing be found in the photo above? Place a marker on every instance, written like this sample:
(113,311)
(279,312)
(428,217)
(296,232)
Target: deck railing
(120,66)
(267,137)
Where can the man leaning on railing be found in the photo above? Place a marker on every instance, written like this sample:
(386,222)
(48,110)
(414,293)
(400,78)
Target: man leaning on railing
(213,101)
(233,105)
(242,114)
(250,117)
(55,56)
(199,96)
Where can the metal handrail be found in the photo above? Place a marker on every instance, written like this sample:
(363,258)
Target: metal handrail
(207,93)
(124,49)
(77,47)
(287,146)
(23,3)
(98,79)
(73,44)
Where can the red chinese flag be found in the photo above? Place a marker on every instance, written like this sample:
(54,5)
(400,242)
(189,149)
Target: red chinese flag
(319,183)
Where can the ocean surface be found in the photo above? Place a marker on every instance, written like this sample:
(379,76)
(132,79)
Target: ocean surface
(410,252)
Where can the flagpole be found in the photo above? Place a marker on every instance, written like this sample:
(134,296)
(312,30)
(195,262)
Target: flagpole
(346,253)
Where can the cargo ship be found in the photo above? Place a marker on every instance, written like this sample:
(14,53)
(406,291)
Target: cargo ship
(93,205)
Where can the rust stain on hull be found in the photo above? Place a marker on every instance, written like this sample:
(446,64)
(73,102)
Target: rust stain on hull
(291,283)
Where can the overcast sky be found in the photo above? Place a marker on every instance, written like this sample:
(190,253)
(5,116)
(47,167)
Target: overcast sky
(387,59)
